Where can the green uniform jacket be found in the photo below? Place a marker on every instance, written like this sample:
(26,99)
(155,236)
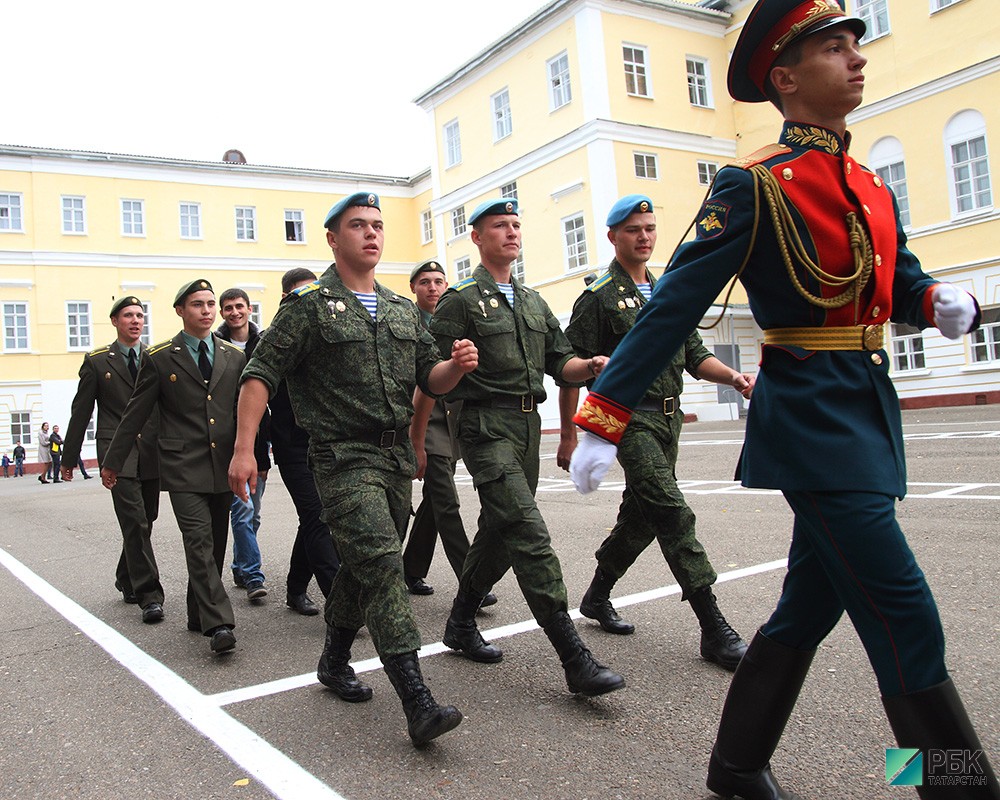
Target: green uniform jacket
(197,420)
(606,311)
(105,379)
(516,346)
(348,376)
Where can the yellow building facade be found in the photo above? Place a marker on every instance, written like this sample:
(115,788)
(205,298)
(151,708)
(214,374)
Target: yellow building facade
(584,102)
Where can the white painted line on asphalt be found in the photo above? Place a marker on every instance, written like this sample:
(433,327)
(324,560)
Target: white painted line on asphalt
(493,634)
(272,768)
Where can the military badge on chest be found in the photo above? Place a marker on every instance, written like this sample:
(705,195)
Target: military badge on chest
(336,307)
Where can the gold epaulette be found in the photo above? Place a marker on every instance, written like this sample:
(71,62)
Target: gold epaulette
(99,350)
(230,345)
(156,348)
(759,156)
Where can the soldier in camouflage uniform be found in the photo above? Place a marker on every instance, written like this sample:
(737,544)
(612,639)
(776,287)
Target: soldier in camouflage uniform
(518,339)
(352,353)
(652,504)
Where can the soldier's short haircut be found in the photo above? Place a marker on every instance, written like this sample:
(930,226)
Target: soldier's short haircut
(296,275)
(791,56)
(233,294)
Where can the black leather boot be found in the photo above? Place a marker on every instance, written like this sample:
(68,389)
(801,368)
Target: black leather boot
(462,634)
(720,643)
(335,671)
(935,719)
(596,604)
(425,719)
(760,700)
(584,674)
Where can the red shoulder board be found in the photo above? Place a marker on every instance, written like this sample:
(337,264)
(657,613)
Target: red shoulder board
(770,151)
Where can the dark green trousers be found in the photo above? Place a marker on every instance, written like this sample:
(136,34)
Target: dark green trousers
(137,504)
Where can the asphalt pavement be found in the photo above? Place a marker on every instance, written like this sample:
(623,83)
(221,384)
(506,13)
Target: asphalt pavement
(96,705)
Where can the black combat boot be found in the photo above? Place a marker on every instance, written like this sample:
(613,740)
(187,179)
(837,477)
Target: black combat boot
(584,674)
(720,643)
(425,719)
(462,634)
(335,671)
(935,719)
(596,604)
(760,700)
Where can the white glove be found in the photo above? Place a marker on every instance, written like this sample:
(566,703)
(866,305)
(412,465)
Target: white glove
(954,310)
(590,462)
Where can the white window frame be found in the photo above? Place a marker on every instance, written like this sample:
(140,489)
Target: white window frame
(90,434)
(463,267)
(79,325)
(76,206)
(246,223)
(146,337)
(452,144)
(886,159)
(636,71)
(458,226)
(503,122)
(699,83)
(297,218)
(517,266)
(426,226)
(985,340)
(574,231)
(908,353)
(257,314)
(875,13)
(11,212)
(940,5)
(965,128)
(191,213)
(133,217)
(707,170)
(23,427)
(650,164)
(558,80)
(14,310)
(509,191)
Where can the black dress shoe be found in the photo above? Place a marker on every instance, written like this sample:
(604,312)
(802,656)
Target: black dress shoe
(152,612)
(302,604)
(418,586)
(489,600)
(223,639)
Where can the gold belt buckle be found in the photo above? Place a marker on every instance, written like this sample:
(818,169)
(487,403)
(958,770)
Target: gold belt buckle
(873,337)
(527,403)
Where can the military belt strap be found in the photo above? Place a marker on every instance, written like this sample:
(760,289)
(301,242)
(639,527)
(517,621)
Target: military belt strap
(525,403)
(666,406)
(851,337)
(386,439)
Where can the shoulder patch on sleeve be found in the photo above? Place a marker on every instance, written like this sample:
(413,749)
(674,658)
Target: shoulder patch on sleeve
(309,287)
(602,281)
(766,152)
(465,283)
(712,219)
(156,348)
(99,350)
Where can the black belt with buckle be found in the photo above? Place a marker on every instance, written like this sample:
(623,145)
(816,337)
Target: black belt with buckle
(386,439)
(667,406)
(525,403)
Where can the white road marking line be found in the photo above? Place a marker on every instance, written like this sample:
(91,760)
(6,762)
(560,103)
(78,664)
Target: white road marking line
(283,777)
(493,634)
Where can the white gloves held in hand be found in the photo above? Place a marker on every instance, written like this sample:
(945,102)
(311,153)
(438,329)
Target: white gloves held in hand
(954,310)
(590,462)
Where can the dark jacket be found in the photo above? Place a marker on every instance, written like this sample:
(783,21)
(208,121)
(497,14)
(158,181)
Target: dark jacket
(263,439)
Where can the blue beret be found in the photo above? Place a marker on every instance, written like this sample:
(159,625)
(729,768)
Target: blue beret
(493,207)
(369,199)
(197,285)
(771,27)
(123,302)
(628,205)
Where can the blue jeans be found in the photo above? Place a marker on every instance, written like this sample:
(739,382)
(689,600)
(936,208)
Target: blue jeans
(18,467)
(245,520)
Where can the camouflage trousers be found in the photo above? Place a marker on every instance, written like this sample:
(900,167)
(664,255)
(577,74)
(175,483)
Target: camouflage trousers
(367,507)
(500,450)
(653,507)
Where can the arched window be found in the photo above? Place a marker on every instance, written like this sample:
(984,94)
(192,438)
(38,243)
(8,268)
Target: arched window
(968,160)
(886,159)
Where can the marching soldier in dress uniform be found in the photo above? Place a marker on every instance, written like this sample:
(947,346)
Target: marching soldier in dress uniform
(107,377)
(815,239)
(519,339)
(352,352)
(652,505)
(192,379)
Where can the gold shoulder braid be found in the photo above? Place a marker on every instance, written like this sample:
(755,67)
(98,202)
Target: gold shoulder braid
(792,247)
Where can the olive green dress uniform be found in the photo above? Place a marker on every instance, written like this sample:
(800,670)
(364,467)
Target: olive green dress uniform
(499,431)
(197,434)
(652,504)
(105,379)
(351,381)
